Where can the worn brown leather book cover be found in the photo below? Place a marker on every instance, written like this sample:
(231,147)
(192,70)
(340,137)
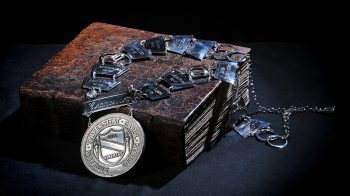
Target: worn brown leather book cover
(182,125)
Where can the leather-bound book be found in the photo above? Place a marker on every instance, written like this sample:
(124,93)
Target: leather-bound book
(182,125)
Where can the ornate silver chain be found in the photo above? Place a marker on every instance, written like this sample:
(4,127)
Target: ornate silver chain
(111,66)
(285,114)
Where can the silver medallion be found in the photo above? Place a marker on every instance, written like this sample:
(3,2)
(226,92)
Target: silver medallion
(112,145)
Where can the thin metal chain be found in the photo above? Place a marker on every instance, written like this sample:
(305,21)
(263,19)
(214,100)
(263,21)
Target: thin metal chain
(285,112)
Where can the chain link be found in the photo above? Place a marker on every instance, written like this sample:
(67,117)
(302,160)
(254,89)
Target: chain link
(89,121)
(284,112)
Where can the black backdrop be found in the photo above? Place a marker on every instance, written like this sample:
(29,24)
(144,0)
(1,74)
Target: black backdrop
(59,23)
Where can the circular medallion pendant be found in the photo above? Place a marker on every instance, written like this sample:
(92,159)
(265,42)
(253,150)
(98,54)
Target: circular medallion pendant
(112,145)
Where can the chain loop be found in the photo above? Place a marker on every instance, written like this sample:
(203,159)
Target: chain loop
(284,112)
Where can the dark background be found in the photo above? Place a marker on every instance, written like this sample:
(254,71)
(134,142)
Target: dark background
(318,25)
(59,22)
(291,44)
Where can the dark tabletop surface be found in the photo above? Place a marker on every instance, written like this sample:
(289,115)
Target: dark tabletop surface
(285,74)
